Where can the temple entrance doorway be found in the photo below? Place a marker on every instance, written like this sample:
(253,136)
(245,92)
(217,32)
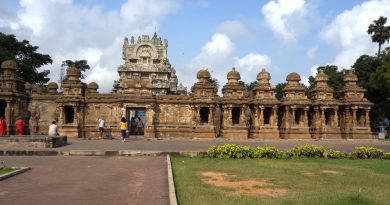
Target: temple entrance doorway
(135,117)
(3,105)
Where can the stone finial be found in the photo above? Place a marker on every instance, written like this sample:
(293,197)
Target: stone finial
(203,75)
(92,87)
(350,77)
(263,77)
(321,76)
(8,64)
(233,76)
(73,73)
(293,77)
(52,87)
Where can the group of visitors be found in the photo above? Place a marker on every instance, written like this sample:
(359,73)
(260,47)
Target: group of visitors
(19,126)
(136,127)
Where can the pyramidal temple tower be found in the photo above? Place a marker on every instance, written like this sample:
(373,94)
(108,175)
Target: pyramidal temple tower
(146,70)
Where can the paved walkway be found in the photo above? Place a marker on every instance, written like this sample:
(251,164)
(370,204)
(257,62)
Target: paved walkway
(86,180)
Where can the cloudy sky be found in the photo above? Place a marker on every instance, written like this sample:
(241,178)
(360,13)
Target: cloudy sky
(282,36)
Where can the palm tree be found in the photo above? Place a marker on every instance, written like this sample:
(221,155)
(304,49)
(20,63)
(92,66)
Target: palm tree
(379,32)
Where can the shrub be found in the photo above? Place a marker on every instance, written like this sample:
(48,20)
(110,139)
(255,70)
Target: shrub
(230,151)
(333,154)
(267,152)
(386,155)
(305,150)
(367,153)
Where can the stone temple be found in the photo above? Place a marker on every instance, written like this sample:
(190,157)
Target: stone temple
(148,88)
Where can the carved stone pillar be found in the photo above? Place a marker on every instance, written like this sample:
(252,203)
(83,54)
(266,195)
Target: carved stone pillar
(261,116)
(256,117)
(336,118)
(211,114)
(305,122)
(367,117)
(292,120)
(354,117)
(286,116)
(323,117)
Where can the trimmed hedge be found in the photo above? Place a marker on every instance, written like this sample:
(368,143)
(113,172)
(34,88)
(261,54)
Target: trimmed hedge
(307,150)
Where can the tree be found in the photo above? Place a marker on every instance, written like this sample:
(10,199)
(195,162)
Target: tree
(214,81)
(374,76)
(279,90)
(82,65)
(379,32)
(336,79)
(27,58)
(248,86)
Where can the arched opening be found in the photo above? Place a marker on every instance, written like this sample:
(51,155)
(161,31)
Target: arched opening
(329,116)
(68,114)
(204,114)
(267,115)
(361,117)
(3,105)
(236,115)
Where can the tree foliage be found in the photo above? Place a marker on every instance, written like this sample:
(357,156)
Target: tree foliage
(214,81)
(82,65)
(248,86)
(279,90)
(374,76)
(336,79)
(27,58)
(379,32)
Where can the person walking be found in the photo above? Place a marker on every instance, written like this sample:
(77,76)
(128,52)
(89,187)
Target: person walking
(53,129)
(123,127)
(140,126)
(3,126)
(19,124)
(101,127)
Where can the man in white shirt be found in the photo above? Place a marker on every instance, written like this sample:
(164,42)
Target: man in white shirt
(53,129)
(101,127)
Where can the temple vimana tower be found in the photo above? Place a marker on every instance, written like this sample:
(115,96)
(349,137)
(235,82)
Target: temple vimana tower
(148,88)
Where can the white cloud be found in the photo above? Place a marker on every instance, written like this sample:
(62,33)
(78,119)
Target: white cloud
(233,28)
(348,31)
(250,65)
(68,30)
(218,56)
(286,18)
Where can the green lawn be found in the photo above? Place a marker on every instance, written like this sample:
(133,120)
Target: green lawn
(293,181)
(4,170)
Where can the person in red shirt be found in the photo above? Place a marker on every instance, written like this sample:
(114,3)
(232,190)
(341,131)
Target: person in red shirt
(19,124)
(3,127)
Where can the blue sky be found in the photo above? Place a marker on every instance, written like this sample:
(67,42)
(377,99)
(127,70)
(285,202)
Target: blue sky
(282,36)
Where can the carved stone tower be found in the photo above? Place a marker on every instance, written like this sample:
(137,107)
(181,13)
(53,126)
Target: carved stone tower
(203,107)
(13,97)
(236,112)
(146,70)
(324,119)
(294,107)
(355,109)
(265,117)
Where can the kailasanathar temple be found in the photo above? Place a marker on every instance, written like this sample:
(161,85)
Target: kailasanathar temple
(148,88)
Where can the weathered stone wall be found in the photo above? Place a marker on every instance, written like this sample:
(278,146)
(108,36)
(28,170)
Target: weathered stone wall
(43,109)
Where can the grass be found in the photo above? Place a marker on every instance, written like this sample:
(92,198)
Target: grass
(4,170)
(307,181)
